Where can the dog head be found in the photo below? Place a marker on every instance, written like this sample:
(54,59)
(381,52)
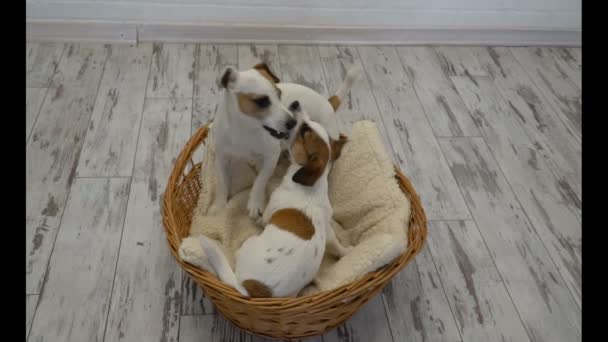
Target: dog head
(311,147)
(258,98)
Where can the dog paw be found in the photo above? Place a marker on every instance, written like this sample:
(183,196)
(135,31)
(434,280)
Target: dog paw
(255,208)
(260,221)
(191,251)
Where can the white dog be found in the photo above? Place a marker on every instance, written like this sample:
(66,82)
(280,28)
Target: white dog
(287,255)
(253,119)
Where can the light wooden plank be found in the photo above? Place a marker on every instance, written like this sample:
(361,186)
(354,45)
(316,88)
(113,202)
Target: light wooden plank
(30,49)
(194,301)
(109,147)
(360,104)
(500,63)
(407,126)
(551,137)
(31,301)
(74,303)
(554,84)
(210,328)
(33,102)
(553,215)
(539,293)
(41,61)
(476,292)
(203,112)
(416,305)
(569,62)
(577,54)
(368,324)
(252,54)
(172,71)
(548,61)
(147,287)
(444,109)
(53,150)
(212,59)
(301,64)
(459,61)
(77,62)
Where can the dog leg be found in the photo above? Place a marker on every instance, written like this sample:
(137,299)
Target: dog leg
(255,205)
(191,251)
(222,170)
(333,245)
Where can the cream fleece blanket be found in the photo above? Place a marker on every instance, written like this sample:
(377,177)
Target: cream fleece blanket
(370,211)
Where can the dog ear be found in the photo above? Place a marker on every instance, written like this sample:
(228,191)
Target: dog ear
(336,146)
(263,69)
(308,174)
(310,151)
(228,78)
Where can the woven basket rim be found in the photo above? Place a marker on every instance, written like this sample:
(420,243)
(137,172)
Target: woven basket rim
(362,285)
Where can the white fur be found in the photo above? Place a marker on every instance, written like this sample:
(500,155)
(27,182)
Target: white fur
(279,259)
(317,106)
(241,137)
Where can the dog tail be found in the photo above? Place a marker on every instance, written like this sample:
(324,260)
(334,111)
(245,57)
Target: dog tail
(351,76)
(220,264)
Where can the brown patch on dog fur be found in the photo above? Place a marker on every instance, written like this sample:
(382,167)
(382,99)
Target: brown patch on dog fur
(265,71)
(257,289)
(335,102)
(336,146)
(293,221)
(248,106)
(311,152)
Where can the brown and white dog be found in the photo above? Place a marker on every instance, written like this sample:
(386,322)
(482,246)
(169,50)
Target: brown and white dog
(287,255)
(253,124)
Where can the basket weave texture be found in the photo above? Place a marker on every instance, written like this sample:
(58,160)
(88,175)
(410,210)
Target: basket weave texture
(286,318)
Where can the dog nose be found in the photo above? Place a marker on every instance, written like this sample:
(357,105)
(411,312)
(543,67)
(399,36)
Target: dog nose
(294,106)
(291,123)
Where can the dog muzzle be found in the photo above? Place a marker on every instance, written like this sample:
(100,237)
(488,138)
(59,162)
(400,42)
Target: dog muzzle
(276,134)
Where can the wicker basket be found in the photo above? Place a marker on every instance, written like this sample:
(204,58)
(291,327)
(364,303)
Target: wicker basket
(285,318)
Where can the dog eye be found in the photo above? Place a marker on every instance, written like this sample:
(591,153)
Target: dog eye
(262,102)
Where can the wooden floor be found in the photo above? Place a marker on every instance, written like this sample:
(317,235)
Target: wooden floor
(490,137)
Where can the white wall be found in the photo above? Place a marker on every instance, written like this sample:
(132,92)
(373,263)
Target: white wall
(466,22)
(494,14)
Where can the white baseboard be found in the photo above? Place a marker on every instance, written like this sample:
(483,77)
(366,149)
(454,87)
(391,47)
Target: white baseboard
(132,32)
(76,31)
(354,35)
